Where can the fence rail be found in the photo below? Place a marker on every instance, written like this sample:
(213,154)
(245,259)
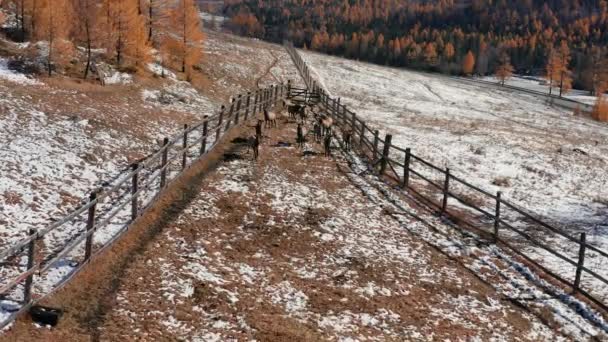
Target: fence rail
(380,153)
(117,206)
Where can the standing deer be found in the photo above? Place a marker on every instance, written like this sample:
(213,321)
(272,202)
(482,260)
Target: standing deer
(254,144)
(270,118)
(347,134)
(327,143)
(258,131)
(326,123)
(317,131)
(301,138)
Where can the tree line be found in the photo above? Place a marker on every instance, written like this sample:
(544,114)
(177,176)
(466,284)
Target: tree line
(564,40)
(126,33)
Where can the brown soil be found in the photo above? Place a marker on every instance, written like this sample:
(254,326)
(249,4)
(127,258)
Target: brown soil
(133,289)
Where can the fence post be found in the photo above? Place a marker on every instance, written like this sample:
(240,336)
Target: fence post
(247,104)
(385,153)
(163,164)
(88,246)
(288,88)
(31,255)
(219,124)
(238,110)
(376,142)
(581,263)
(446,188)
(497,216)
(205,129)
(276,95)
(134,189)
(255,103)
(362,136)
(184,146)
(406,168)
(229,118)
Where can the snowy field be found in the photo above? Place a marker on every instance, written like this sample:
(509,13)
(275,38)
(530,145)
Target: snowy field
(540,84)
(60,141)
(297,246)
(541,158)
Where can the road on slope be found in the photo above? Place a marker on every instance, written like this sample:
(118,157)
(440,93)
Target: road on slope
(293,246)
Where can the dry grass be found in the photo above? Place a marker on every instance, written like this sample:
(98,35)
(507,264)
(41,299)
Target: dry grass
(86,298)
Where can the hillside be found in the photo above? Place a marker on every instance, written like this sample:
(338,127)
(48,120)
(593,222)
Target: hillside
(437,35)
(63,138)
(539,156)
(294,245)
(299,247)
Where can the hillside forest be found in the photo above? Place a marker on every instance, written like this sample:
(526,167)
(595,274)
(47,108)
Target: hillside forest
(565,41)
(74,36)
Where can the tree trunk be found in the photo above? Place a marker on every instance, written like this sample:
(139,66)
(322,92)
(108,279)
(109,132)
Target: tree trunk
(88,33)
(151,5)
(561,84)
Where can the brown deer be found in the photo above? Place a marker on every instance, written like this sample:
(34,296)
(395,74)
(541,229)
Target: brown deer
(347,134)
(270,118)
(253,144)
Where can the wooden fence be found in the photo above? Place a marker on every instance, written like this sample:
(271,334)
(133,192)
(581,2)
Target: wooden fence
(412,173)
(110,211)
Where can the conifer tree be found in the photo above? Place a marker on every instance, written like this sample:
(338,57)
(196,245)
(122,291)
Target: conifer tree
(54,20)
(87,31)
(468,64)
(504,71)
(565,75)
(552,69)
(185,39)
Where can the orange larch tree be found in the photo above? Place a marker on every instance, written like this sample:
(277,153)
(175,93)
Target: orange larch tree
(185,40)
(565,75)
(504,70)
(54,19)
(468,64)
(86,32)
(553,69)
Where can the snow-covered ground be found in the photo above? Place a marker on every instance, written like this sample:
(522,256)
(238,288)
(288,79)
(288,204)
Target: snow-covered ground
(297,246)
(540,157)
(540,84)
(212,21)
(60,140)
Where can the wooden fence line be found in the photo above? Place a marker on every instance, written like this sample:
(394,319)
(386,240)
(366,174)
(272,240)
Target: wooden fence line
(371,150)
(133,192)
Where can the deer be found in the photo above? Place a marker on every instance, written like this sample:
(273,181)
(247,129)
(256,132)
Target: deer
(253,144)
(270,118)
(317,131)
(296,110)
(326,123)
(347,134)
(301,137)
(258,131)
(327,143)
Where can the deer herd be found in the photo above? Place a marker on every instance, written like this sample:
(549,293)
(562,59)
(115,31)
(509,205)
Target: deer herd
(306,115)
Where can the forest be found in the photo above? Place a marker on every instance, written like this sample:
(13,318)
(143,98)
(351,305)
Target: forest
(73,36)
(564,40)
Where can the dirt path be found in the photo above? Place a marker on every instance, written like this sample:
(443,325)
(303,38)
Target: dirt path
(297,247)
(267,70)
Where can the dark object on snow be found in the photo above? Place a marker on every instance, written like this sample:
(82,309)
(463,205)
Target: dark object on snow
(231,156)
(45,315)
(580,151)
